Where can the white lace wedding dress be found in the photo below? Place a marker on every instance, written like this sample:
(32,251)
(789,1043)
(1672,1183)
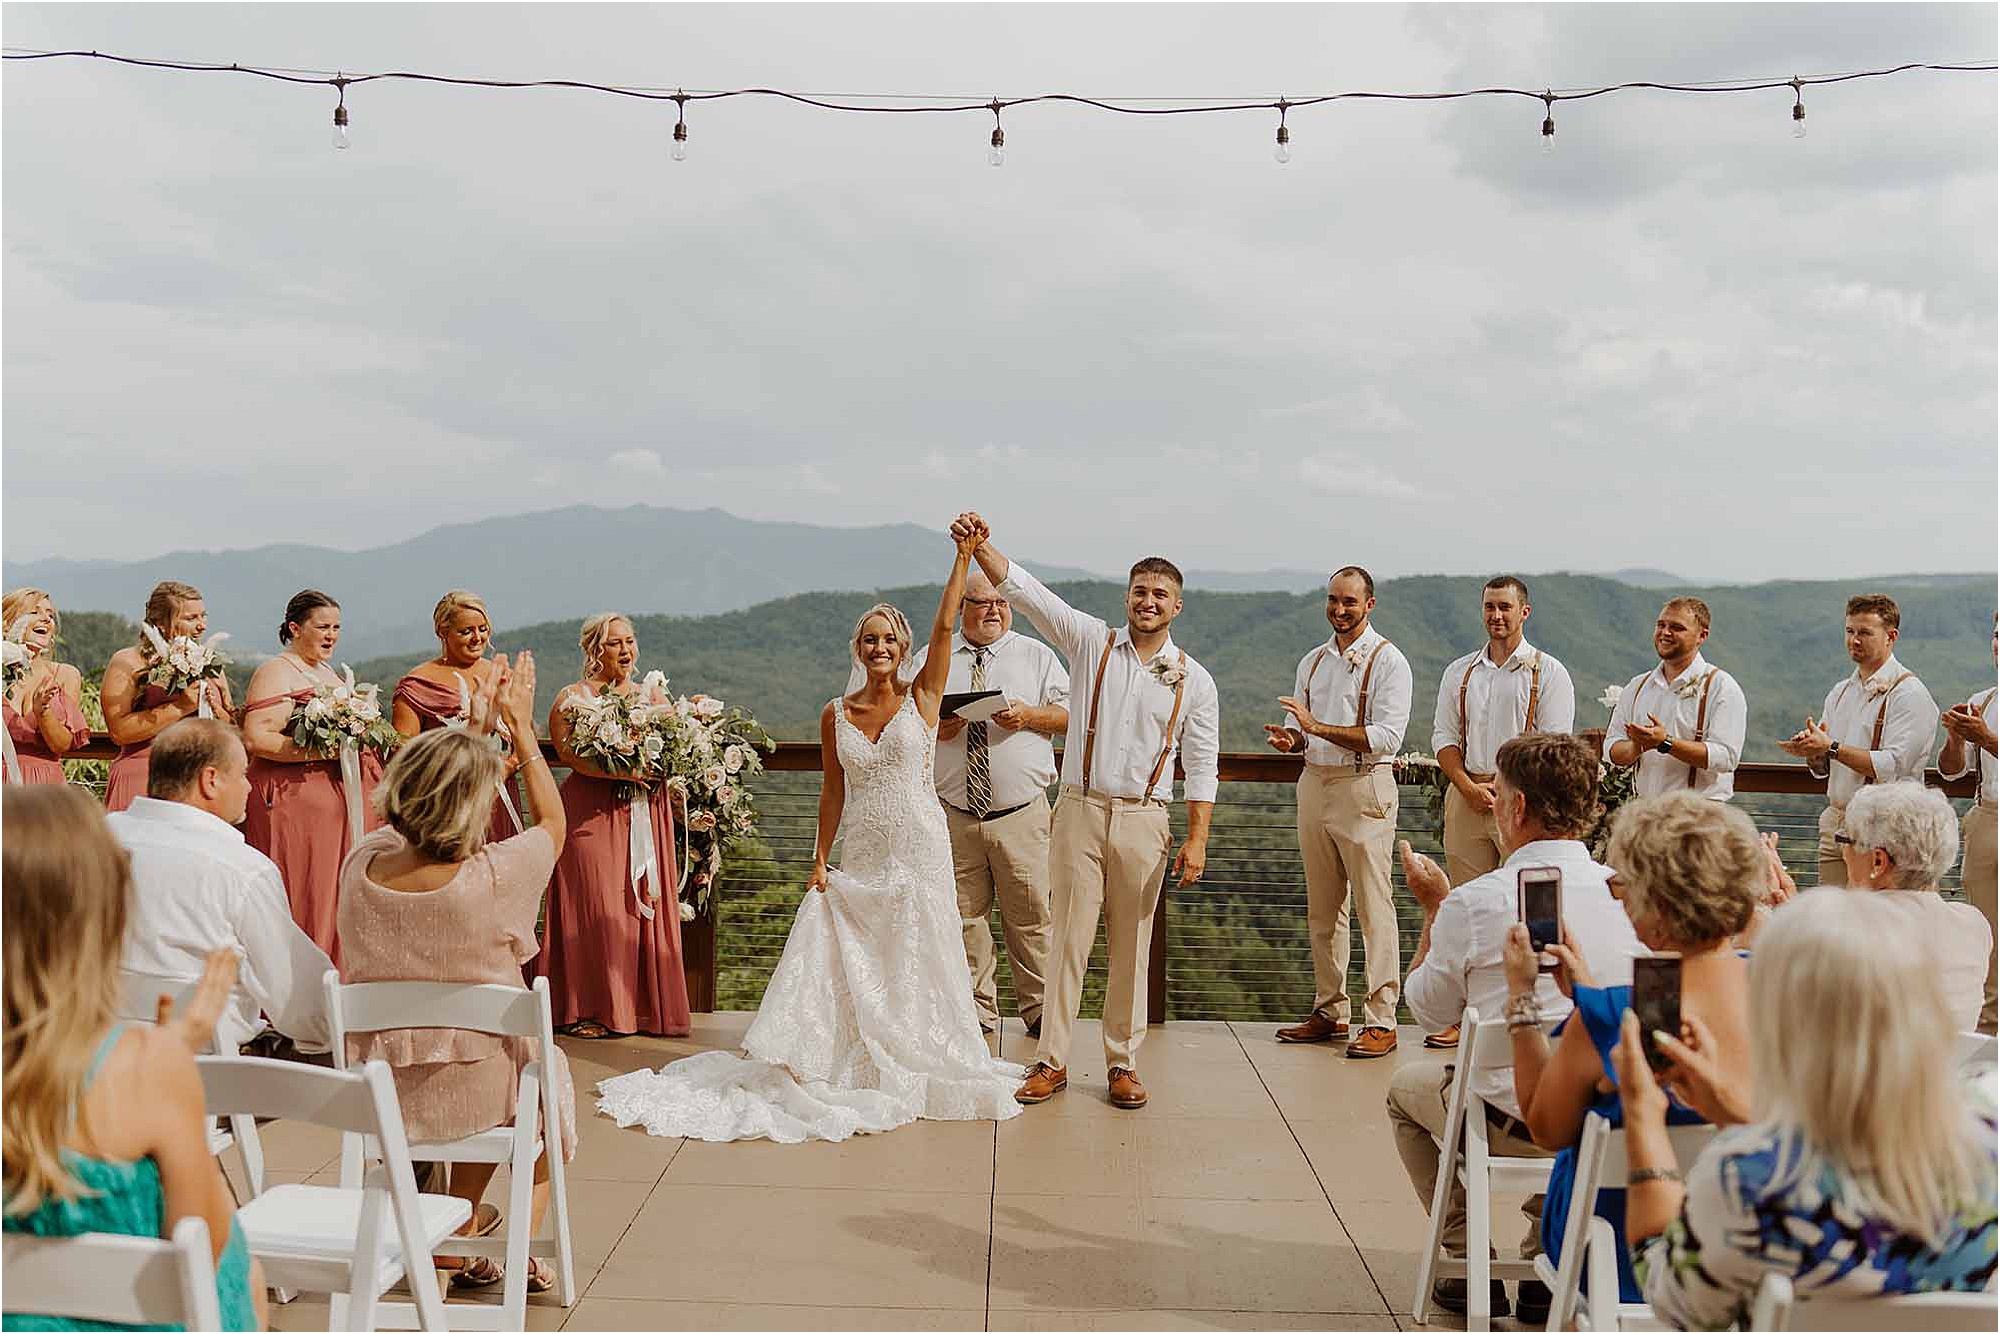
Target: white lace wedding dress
(868,1021)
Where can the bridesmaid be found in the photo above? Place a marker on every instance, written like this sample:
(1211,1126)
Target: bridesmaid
(135,714)
(612,970)
(44,709)
(430,695)
(298,811)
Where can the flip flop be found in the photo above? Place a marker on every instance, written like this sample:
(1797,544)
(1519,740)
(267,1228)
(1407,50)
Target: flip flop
(481,1273)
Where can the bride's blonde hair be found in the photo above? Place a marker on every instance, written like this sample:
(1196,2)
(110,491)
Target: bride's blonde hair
(897,622)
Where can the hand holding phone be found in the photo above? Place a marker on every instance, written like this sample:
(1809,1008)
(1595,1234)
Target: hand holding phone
(1656,999)
(1538,892)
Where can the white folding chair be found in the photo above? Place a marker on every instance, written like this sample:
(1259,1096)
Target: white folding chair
(1481,1046)
(103,1276)
(1777,1307)
(366,1007)
(352,1242)
(138,1001)
(1589,1241)
(1977,1049)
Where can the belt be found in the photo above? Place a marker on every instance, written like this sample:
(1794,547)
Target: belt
(1345,770)
(990,815)
(1073,790)
(1505,1124)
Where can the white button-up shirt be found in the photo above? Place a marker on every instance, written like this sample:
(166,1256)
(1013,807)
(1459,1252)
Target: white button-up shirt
(1134,706)
(1496,704)
(1909,729)
(197,886)
(1328,683)
(1022,763)
(1463,966)
(1989,765)
(1677,704)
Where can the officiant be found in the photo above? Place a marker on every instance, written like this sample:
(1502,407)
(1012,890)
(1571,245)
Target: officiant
(993,778)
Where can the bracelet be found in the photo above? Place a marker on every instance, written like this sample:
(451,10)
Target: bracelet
(1641,1176)
(1522,1011)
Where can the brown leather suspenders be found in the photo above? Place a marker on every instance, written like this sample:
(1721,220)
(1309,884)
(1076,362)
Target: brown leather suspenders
(1534,698)
(1097,693)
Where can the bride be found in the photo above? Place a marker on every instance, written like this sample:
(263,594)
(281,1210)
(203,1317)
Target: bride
(868,1021)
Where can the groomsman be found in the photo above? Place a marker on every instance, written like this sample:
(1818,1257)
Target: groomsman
(1144,699)
(1969,733)
(1682,722)
(993,778)
(1349,706)
(1876,727)
(1504,690)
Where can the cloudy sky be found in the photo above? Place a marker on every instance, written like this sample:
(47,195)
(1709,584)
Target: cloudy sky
(1683,340)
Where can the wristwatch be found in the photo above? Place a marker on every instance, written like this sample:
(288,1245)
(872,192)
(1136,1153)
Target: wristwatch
(1833,751)
(1666,746)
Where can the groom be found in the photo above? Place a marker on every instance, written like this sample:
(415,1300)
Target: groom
(1135,698)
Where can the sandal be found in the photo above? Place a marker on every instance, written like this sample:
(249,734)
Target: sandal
(587,1028)
(481,1273)
(541,1278)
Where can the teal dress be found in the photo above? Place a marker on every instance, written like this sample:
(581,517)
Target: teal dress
(126,1198)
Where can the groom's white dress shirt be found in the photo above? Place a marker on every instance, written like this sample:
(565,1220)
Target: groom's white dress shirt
(1677,704)
(197,886)
(1022,763)
(1496,703)
(1328,683)
(1908,728)
(1133,706)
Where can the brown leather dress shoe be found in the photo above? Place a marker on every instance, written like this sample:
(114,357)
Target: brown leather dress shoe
(1371,1042)
(1126,1090)
(1315,1027)
(1043,1082)
(1444,1041)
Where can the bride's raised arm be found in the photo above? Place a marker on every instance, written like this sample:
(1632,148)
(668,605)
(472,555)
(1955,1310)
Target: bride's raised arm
(929,685)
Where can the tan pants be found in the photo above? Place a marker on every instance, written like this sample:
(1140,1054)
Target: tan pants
(1106,857)
(1978,876)
(1347,825)
(1005,859)
(1832,870)
(1417,1111)
(1471,840)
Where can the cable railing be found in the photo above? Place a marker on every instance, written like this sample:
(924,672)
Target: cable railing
(1232,947)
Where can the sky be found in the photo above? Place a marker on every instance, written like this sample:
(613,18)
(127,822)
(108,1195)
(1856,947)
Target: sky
(1683,340)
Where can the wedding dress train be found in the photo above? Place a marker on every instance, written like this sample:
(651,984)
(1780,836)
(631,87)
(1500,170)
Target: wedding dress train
(868,1021)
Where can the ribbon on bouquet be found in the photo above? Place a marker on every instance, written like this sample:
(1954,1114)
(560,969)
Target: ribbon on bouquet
(350,788)
(13,761)
(644,861)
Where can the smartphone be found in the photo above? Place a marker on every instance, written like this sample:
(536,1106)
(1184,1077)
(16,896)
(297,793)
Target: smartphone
(1539,890)
(1656,999)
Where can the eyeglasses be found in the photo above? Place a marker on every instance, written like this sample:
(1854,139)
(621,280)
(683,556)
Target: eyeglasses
(1847,842)
(986,604)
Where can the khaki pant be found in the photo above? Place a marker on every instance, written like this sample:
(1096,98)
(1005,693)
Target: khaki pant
(1005,859)
(1832,870)
(1347,826)
(1471,840)
(1106,857)
(1978,876)
(1417,1111)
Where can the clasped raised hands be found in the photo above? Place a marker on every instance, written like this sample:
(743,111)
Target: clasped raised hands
(970,532)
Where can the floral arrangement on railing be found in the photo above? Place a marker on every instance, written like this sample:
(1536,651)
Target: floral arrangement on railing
(712,751)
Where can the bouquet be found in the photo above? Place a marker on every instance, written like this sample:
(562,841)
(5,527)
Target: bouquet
(712,751)
(343,714)
(184,661)
(620,734)
(15,660)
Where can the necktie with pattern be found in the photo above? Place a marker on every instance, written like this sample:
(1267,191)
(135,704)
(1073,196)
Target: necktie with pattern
(978,772)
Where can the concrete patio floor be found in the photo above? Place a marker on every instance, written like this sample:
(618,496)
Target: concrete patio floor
(1259,1190)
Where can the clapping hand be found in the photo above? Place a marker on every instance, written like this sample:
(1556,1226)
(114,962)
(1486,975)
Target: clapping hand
(1281,738)
(484,708)
(1779,887)
(1646,736)
(1301,715)
(204,1005)
(1810,742)
(1964,724)
(1428,885)
(46,691)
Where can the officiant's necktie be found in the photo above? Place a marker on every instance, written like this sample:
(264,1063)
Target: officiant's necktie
(978,772)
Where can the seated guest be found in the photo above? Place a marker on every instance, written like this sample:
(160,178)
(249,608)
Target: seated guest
(1869,1167)
(428,899)
(106,1128)
(1545,801)
(1690,872)
(1900,839)
(199,887)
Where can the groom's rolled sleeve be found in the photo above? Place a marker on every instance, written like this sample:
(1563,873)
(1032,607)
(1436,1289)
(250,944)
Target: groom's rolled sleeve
(1071,631)
(1201,742)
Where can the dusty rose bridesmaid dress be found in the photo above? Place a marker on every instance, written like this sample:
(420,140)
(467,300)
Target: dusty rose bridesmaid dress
(298,818)
(39,764)
(436,705)
(604,959)
(127,782)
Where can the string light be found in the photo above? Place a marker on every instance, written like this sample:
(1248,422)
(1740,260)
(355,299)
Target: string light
(894,104)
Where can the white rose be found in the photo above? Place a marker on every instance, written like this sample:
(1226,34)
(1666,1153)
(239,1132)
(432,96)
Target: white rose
(687,911)
(715,776)
(318,707)
(709,707)
(733,759)
(652,748)
(1609,699)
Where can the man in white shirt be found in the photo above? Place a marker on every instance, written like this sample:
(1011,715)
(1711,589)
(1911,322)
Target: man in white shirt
(1143,698)
(197,886)
(1899,840)
(1969,732)
(1505,690)
(1876,727)
(1545,799)
(993,778)
(1682,722)
(1347,712)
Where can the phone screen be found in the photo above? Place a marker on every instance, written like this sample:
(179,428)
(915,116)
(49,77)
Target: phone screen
(1540,890)
(1656,999)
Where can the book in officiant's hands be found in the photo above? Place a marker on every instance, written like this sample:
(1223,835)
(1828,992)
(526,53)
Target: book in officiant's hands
(974,706)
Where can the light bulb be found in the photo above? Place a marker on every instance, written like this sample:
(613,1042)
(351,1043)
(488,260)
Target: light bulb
(1799,121)
(996,153)
(340,139)
(1549,135)
(680,141)
(1283,153)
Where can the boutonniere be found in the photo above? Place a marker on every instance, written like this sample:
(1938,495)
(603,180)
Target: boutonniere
(1878,687)
(1691,687)
(1166,673)
(1352,658)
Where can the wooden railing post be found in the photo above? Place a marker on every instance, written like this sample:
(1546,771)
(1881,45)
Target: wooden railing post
(1156,960)
(698,957)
